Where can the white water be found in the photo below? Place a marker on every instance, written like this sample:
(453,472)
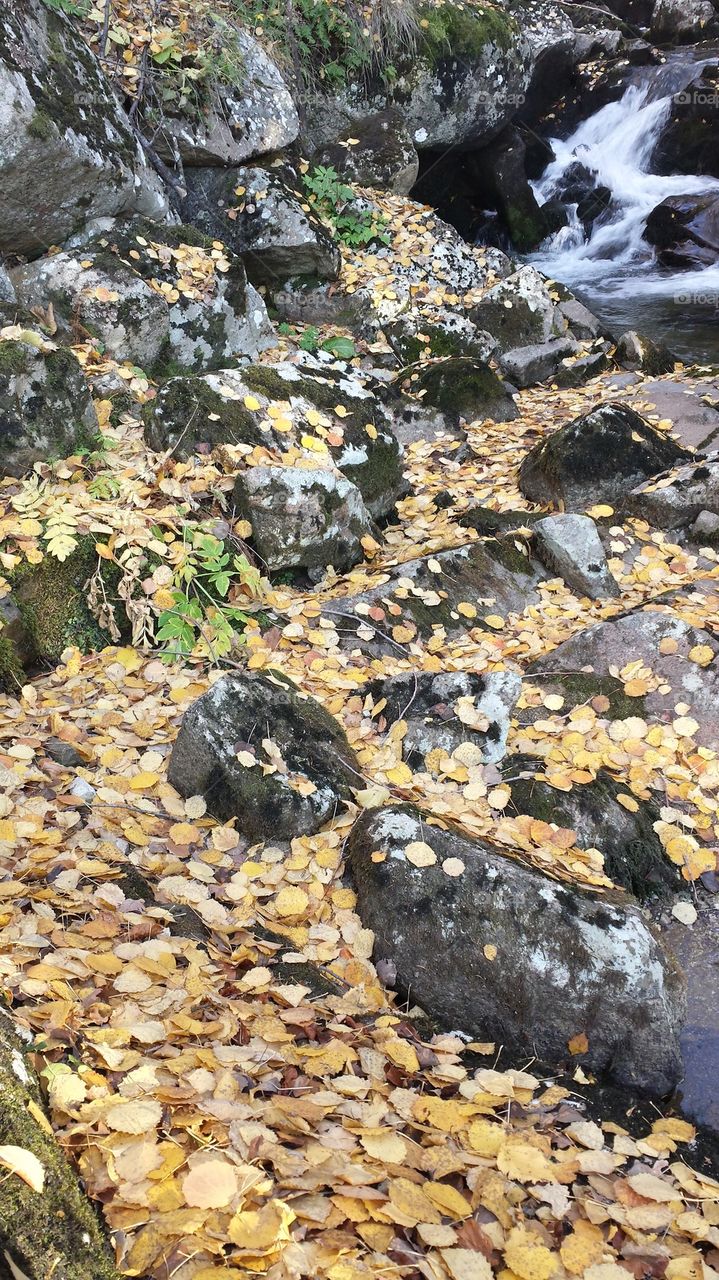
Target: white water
(615,270)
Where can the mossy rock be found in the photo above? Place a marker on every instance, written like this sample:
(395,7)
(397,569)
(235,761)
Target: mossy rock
(463,31)
(46,408)
(461,387)
(54,1232)
(579,688)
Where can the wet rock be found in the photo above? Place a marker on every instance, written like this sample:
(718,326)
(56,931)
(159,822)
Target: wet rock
(583,324)
(302,518)
(242,121)
(97,294)
(634,351)
(67,145)
(526,366)
(688,141)
(678,498)
(638,636)
(461,387)
(567,961)
(46,407)
(381,153)
(633,854)
(260,218)
(683,21)
(309,765)
(570,546)
(519,312)
(685,231)
(440,333)
(448,711)
(599,457)
(502,172)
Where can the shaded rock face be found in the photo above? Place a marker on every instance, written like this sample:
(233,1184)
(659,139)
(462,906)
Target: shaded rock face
(502,172)
(519,312)
(302,518)
(685,231)
(676,500)
(599,457)
(262,219)
(249,120)
(683,21)
(634,351)
(638,636)
(381,153)
(65,143)
(461,387)
(7,291)
(444,711)
(570,546)
(566,961)
(310,766)
(633,854)
(688,141)
(46,408)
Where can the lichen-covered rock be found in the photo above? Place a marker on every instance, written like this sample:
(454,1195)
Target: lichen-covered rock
(376,151)
(66,145)
(519,312)
(261,218)
(248,721)
(243,120)
(570,546)
(46,407)
(608,646)
(53,1232)
(635,351)
(526,366)
(496,949)
(303,518)
(683,21)
(599,457)
(452,712)
(96,293)
(633,854)
(434,333)
(677,499)
(461,387)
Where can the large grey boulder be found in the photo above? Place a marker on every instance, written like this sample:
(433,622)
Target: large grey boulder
(570,546)
(599,457)
(46,407)
(460,387)
(260,751)
(519,311)
(67,150)
(303,518)
(683,21)
(496,949)
(262,219)
(526,366)
(436,332)
(677,499)
(376,151)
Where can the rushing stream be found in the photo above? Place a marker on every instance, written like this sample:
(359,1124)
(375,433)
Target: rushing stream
(614,270)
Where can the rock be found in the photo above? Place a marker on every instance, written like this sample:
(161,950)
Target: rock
(67,146)
(575,370)
(696,949)
(461,387)
(583,324)
(375,151)
(54,1231)
(599,457)
(683,21)
(685,231)
(635,12)
(688,140)
(603,693)
(95,293)
(17,649)
(519,312)
(678,498)
(706,526)
(567,961)
(189,412)
(633,854)
(502,172)
(636,637)
(694,422)
(448,711)
(266,224)
(302,518)
(63,752)
(46,407)
(264,716)
(252,118)
(570,546)
(552,39)
(526,366)
(417,336)
(7,291)
(634,351)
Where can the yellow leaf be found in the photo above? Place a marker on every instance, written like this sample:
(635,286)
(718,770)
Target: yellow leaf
(210,1184)
(252,403)
(24,1164)
(262,1230)
(137,1116)
(291,901)
(524,1163)
(527,1257)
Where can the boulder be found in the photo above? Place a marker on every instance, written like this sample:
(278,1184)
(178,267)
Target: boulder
(583,324)
(685,231)
(678,498)
(302,518)
(97,294)
(251,118)
(67,146)
(683,21)
(260,751)
(609,646)
(7,291)
(633,854)
(375,151)
(434,333)
(504,183)
(695,423)
(688,141)
(635,351)
(578,368)
(461,387)
(519,312)
(599,457)
(569,545)
(448,712)
(259,217)
(46,407)
(526,366)
(493,947)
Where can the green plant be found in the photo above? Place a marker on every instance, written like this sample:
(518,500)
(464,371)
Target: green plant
(334,201)
(309,340)
(203,618)
(75,8)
